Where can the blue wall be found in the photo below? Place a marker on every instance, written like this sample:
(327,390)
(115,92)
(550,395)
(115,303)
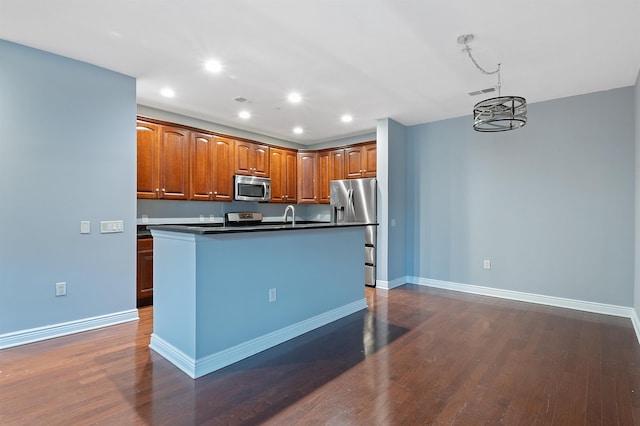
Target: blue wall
(67,154)
(551,204)
(391,215)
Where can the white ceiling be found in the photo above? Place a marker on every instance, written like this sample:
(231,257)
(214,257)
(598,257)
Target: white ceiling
(371,58)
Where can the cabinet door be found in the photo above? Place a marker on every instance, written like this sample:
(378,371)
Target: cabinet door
(223,157)
(261,160)
(353,162)
(174,163)
(369,165)
(201,165)
(336,164)
(290,176)
(324,188)
(244,158)
(144,272)
(147,142)
(277,172)
(307,166)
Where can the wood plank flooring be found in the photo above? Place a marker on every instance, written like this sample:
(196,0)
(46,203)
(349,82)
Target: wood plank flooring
(417,356)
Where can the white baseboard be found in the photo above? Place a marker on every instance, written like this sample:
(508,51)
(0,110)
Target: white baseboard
(388,285)
(63,329)
(580,305)
(636,324)
(210,363)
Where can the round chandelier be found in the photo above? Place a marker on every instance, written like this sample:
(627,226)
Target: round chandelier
(495,114)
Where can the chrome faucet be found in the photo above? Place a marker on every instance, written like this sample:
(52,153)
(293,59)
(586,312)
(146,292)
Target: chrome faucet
(293,214)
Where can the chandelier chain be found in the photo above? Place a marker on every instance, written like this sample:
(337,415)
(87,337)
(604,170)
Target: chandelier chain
(497,71)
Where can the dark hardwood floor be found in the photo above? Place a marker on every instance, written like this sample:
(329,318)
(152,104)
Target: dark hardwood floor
(417,356)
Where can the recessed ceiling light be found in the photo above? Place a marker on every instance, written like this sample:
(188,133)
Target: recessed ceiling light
(167,92)
(213,66)
(298,130)
(346,118)
(244,114)
(294,97)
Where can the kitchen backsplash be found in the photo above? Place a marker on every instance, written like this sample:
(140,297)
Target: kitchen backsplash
(156,209)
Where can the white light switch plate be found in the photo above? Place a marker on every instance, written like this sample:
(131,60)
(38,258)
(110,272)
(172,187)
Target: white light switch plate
(85,227)
(111,226)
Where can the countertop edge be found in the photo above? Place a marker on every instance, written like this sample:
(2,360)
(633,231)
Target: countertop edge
(204,230)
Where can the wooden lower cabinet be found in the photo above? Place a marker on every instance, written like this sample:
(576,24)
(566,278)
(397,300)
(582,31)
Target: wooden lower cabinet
(144,272)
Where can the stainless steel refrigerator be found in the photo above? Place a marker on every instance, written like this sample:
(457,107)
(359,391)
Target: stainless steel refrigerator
(354,200)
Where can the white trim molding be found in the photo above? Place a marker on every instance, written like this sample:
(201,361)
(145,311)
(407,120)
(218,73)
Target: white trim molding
(636,323)
(210,363)
(580,305)
(63,329)
(388,285)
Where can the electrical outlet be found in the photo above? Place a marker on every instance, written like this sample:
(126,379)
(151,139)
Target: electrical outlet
(272,295)
(61,289)
(487,264)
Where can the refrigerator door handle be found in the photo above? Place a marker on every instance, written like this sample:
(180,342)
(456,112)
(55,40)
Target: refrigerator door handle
(351,208)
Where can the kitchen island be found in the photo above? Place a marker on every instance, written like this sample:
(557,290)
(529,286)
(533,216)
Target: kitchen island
(222,294)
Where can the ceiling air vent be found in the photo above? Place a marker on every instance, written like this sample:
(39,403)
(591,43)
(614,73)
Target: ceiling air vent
(480,92)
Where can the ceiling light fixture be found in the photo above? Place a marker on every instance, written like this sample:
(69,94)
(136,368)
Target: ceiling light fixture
(495,114)
(213,66)
(298,130)
(167,92)
(244,114)
(294,97)
(346,118)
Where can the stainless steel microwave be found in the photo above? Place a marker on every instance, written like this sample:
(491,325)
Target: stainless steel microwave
(251,188)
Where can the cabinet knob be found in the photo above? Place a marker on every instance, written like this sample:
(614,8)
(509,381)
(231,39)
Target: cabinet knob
(215,192)
(210,193)
(365,170)
(157,189)
(163,189)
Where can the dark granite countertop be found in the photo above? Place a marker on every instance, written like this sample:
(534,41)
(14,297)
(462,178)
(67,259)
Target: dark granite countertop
(268,226)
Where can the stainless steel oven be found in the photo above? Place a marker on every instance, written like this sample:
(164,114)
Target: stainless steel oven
(251,188)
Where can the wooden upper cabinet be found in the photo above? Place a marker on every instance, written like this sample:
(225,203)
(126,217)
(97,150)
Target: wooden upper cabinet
(370,165)
(251,159)
(308,177)
(330,167)
(148,136)
(174,163)
(282,170)
(163,161)
(201,161)
(336,164)
(211,162)
(360,161)
(324,181)
(223,158)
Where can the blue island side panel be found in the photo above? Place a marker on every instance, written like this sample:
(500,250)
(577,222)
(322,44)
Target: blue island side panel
(313,272)
(174,289)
